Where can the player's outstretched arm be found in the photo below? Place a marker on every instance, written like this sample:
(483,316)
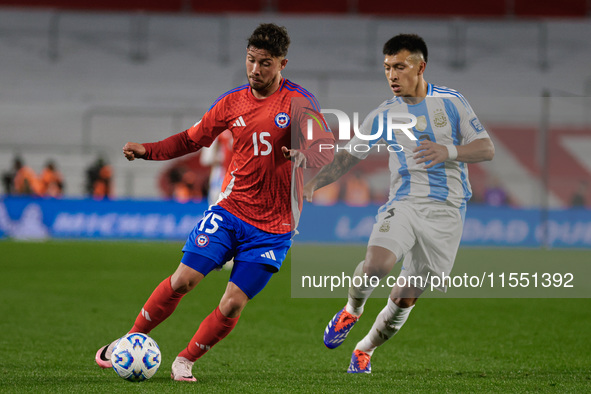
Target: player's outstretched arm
(133,150)
(474,152)
(343,162)
(174,146)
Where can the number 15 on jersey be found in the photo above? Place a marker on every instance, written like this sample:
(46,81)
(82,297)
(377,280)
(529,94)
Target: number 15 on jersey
(262,147)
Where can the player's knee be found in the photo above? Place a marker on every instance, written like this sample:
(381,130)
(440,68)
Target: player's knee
(182,283)
(375,270)
(404,302)
(232,306)
(182,286)
(233,301)
(378,261)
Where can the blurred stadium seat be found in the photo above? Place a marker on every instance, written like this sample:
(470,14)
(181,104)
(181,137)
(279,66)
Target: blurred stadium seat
(552,9)
(51,107)
(429,8)
(313,6)
(102,5)
(435,8)
(224,6)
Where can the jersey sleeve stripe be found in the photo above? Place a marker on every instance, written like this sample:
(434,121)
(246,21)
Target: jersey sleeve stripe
(295,87)
(314,105)
(304,92)
(311,99)
(454,93)
(227,93)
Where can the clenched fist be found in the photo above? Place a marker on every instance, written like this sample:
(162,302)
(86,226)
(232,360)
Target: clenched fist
(133,150)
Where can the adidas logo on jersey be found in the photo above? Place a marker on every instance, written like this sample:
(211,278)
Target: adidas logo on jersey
(239,122)
(269,255)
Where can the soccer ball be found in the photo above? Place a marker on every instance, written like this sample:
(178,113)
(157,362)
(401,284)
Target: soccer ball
(136,357)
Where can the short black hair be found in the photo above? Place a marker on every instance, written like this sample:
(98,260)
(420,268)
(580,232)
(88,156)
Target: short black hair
(270,37)
(411,42)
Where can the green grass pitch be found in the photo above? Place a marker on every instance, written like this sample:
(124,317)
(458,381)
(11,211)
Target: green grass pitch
(61,301)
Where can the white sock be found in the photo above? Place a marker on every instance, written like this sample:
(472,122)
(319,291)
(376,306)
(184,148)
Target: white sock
(387,324)
(358,295)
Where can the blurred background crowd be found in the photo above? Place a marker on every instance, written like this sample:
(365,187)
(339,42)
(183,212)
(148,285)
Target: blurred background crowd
(80,80)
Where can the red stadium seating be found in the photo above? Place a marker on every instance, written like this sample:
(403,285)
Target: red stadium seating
(564,8)
(221,6)
(103,5)
(313,6)
(199,6)
(434,8)
(426,8)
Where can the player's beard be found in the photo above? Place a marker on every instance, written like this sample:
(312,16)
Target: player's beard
(260,87)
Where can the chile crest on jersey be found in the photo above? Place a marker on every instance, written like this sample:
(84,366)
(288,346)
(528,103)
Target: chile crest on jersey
(202,240)
(282,120)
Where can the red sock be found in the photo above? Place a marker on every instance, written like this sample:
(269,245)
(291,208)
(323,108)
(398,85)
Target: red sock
(212,329)
(159,306)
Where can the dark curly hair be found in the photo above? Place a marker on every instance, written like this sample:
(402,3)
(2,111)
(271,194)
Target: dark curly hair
(270,37)
(411,42)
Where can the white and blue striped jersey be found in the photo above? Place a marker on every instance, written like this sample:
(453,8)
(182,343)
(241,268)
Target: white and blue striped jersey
(444,117)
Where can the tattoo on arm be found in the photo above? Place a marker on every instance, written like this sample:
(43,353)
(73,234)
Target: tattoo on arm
(343,162)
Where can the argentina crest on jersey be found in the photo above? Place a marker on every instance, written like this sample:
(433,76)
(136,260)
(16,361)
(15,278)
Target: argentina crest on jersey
(439,118)
(282,120)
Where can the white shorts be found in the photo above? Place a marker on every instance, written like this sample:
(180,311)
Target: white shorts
(425,235)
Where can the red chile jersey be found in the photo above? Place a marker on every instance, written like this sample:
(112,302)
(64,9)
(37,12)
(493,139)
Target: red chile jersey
(257,185)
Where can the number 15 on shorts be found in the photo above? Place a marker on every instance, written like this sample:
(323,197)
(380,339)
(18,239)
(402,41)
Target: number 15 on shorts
(213,226)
